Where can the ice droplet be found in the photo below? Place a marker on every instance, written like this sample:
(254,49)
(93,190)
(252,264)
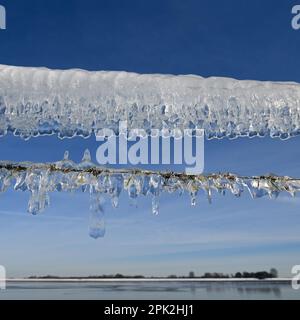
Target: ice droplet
(66,156)
(65,163)
(86,162)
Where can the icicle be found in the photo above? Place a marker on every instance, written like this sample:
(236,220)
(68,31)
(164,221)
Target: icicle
(37,183)
(155,205)
(5,177)
(116,185)
(209,195)
(41,179)
(255,190)
(236,187)
(193,187)
(38,101)
(97,222)
(154,188)
(146,185)
(20,183)
(193,198)
(38,202)
(291,186)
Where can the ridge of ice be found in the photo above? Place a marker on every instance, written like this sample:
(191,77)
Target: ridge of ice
(40,101)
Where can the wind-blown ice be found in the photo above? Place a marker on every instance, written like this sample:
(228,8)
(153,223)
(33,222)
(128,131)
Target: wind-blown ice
(39,101)
(65,175)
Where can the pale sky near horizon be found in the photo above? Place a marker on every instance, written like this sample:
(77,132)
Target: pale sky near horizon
(232,38)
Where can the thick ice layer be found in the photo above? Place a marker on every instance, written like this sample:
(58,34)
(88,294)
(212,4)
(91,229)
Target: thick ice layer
(65,175)
(36,101)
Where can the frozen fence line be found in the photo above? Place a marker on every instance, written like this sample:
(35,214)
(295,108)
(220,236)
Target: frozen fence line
(40,101)
(65,175)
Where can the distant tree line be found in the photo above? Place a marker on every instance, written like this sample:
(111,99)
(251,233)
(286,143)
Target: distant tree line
(214,275)
(104,276)
(273,273)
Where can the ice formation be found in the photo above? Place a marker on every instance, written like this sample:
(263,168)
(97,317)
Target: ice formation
(65,175)
(39,101)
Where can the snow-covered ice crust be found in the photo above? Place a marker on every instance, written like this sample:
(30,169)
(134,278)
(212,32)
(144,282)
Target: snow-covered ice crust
(39,101)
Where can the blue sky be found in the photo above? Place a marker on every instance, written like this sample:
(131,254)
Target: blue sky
(220,38)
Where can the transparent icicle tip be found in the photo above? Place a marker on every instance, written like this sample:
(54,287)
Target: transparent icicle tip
(66,175)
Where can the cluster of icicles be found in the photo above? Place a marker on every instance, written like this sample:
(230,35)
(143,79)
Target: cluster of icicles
(39,101)
(65,175)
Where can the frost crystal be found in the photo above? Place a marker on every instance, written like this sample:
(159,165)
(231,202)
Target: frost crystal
(39,101)
(65,175)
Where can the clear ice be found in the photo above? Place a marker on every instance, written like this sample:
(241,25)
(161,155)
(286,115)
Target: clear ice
(65,175)
(97,222)
(39,101)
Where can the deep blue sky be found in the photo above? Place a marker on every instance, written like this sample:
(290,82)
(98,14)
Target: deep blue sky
(235,38)
(241,39)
